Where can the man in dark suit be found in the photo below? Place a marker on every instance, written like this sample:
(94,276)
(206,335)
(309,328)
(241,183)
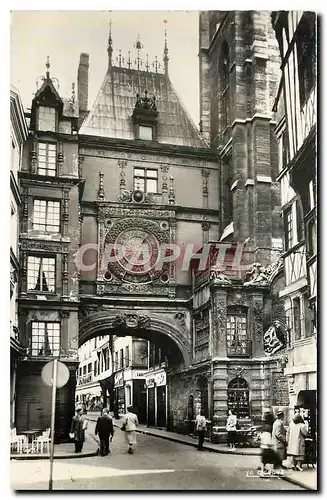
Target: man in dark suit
(104,428)
(77,431)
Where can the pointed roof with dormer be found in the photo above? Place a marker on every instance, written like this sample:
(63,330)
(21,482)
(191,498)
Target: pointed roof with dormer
(125,81)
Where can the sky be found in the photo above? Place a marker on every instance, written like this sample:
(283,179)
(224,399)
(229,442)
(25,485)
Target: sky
(64,35)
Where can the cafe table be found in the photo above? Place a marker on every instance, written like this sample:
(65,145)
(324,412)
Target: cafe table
(31,434)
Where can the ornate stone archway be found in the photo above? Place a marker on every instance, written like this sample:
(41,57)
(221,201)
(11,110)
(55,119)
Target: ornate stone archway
(140,324)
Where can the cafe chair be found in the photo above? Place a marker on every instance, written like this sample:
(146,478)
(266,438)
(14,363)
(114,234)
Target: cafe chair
(18,441)
(42,442)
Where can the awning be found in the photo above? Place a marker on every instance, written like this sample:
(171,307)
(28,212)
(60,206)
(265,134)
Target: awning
(108,383)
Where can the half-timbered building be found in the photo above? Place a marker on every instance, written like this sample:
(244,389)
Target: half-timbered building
(296,104)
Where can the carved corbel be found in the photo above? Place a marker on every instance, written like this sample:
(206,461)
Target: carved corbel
(64,314)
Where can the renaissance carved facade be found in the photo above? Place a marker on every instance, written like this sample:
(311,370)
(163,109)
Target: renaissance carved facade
(133,176)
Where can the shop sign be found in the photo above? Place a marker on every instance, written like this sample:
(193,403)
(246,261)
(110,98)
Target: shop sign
(157,379)
(137,375)
(119,379)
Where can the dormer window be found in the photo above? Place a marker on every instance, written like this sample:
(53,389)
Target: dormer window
(47,119)
(145,133)
(145,116)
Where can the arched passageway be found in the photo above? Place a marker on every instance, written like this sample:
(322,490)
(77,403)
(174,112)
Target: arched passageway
(170,337)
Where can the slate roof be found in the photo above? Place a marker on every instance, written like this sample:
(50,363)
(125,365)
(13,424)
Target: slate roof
(111,115)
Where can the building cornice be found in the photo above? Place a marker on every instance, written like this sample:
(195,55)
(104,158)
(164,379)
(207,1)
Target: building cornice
(147,147)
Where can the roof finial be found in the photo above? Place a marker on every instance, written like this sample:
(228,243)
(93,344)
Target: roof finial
(138,45)
(166,57)
(109,49)
(48,67)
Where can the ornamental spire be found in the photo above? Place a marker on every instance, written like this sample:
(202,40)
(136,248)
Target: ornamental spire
(48,67)
(139,46)
(109,49)
(166,56)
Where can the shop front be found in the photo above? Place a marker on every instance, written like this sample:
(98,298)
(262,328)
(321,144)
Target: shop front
(135,392)
(119,392)
(156,388)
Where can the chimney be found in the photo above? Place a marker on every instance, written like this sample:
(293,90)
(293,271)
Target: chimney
(83,84)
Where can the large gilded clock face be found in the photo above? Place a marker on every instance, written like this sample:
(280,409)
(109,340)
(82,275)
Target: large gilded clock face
(138,251)
(134,246)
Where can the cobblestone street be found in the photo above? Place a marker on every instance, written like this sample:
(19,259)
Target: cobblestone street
(156,465)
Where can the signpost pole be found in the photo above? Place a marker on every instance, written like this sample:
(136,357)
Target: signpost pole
(53,414)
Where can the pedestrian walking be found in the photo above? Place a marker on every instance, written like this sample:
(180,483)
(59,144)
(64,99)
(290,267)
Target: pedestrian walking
(130,422)
(268,454)
(200,426)
(297,432)
(279,440)
(231,426)
(105,430)
(77,430)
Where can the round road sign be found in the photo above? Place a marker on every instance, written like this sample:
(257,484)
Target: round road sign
(62,374)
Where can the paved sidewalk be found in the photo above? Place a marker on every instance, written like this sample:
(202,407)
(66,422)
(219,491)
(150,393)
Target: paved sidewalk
(63,450)
(306,479)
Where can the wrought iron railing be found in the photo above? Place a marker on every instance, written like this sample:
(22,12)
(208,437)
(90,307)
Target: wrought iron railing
(241,348)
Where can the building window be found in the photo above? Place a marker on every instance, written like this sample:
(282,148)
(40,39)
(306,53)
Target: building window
(238,397)
(299,222)
(84,370)
(306,54)
(237,338)
(45,338)
(127,360)
(116,361)
(46,216)
(89,368)
(285,149)
(297,318)
(106,359)
(41,273)
(121,358)
(145,133)
(47,159)
(312,238)
(288,228)
(146,180)
(312,193)
(47,119)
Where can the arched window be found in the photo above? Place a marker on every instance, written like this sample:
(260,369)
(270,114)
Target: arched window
(238,397)
(224,75)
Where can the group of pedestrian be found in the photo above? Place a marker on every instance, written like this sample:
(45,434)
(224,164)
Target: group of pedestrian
(276,443)
(104,429)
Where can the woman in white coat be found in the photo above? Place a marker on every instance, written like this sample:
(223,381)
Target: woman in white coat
(297,432)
